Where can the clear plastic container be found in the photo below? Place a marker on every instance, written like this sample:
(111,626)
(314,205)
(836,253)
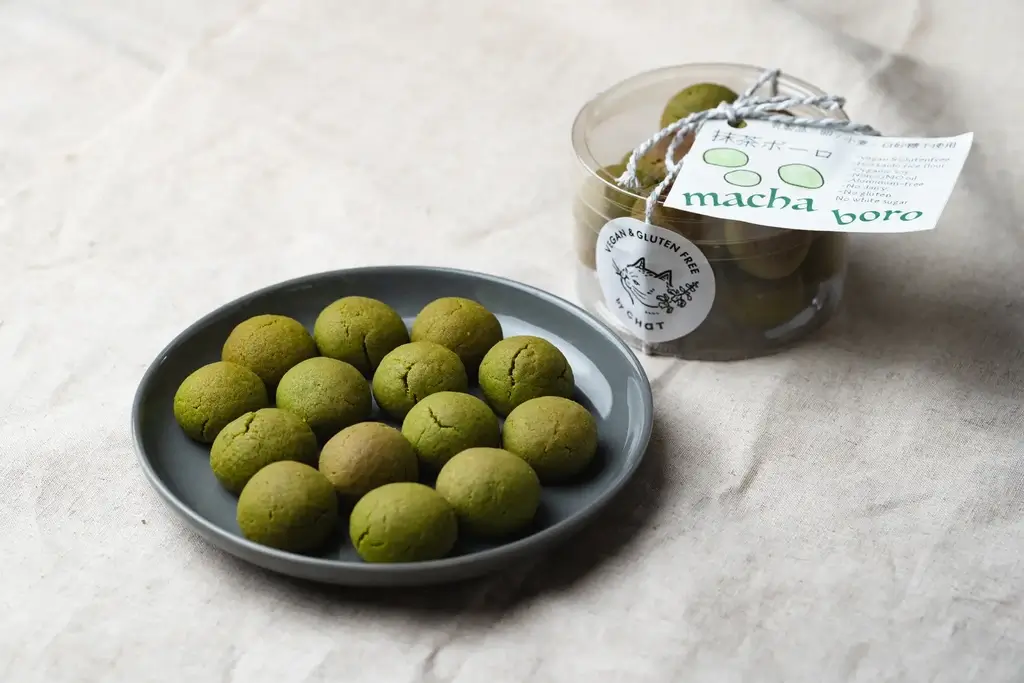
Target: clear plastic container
(773,286)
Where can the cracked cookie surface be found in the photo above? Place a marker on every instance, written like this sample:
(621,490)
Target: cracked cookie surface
(269,345)
(214,395)
(461,325)
(402,522)
(359,331)
(556,436)
(521,368)
(448,422)
(493,492)
(328,394)
(414,371)
(256,439)
(288,505)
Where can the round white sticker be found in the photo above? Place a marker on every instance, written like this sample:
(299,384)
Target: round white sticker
(655,281)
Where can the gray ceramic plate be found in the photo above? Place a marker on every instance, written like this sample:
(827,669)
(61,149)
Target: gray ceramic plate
(610,381)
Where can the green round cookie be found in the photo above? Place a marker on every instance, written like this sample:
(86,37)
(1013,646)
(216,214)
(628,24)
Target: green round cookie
(254,440)
(365,456)
(599,201)
(359,331)
(689,225)
(615,201)
(767,253)
(269,345)
(555,436)
(328,394)
(414,371)
(520,368)
(493,492)
(214,395)
(289,506)
(461,325)
(695,98)
(445,423)
(403,522)
(650,170)
(588,223)
(826,258)
(764,304)
(652,167)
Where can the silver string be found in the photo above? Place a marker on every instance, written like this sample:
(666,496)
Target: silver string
(746,106)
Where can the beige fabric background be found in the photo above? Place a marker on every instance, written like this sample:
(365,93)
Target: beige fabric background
(850,511)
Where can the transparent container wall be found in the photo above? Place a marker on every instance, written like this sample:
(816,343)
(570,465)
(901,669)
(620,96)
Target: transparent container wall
(773,286)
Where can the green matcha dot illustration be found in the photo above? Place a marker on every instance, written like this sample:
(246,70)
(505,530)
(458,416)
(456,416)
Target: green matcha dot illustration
(801,175)
(724,156)
(797,175)
(743,178)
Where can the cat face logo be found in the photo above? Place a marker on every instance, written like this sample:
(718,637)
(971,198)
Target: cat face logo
(653,281)
(644,286)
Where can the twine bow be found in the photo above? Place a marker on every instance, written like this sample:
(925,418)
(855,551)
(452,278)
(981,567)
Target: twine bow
(746,106)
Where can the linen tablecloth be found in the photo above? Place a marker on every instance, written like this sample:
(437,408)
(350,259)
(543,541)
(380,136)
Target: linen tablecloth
(847,511)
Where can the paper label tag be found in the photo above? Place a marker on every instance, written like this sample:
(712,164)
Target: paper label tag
(814,179)
(655,282)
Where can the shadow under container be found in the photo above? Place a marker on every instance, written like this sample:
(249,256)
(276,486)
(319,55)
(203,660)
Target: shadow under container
(773,286)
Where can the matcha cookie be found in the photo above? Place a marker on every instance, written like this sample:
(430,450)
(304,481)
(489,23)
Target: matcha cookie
(214,395)
(650,170)
(588,224)
(359,331)
(493,492)
(460,325)
(555,436)
(524,367)
(327,393)
(254,440)
(652,167)
(365,456)
(764,304)
(695,98)
(403,522)
(689,225)
(767,253)
(414,371)
(289,506)
(826,258)
(600,200)
(269,345)
(614,201)
(448,422)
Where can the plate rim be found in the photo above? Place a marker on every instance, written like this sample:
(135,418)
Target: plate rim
(243,547)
